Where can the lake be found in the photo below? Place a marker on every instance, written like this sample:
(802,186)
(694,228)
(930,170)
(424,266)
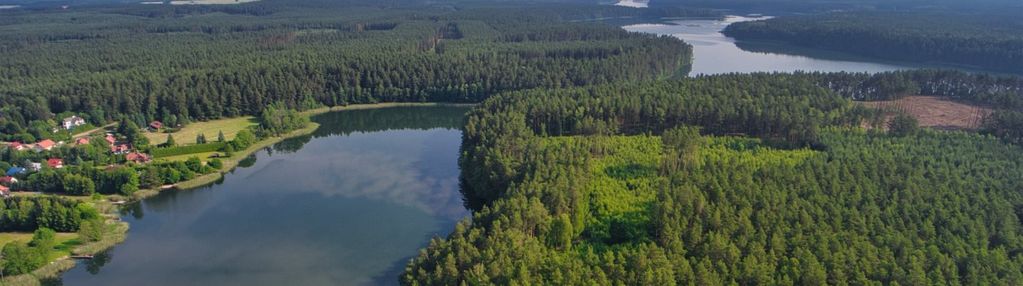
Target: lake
(347,205)
(715,53)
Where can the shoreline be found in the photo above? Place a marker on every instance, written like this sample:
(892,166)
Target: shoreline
(231,163)
(109,205)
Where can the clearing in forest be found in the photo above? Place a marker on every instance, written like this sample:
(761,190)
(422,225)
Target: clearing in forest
(936,112)
(187,134)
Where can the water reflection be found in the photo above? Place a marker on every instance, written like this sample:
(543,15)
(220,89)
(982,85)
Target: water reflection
(347,205)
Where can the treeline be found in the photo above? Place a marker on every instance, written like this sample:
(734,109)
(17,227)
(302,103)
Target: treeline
(24,214)
(561,197)
(988,40)
(105,65)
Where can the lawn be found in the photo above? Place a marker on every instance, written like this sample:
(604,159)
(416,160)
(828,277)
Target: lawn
(211,128)
(202,156)
(65,241)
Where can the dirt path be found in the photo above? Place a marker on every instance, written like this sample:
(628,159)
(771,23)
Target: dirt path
(87,133)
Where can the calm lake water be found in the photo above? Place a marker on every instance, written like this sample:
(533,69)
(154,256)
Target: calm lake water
(714,53)
(348,205)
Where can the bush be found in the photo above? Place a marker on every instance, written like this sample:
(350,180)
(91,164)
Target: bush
(18,259)
(215,163)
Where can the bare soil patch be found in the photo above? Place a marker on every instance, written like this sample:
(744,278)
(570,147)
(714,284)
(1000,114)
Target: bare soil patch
(936,112)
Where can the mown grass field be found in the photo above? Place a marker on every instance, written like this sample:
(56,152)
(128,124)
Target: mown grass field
(205,156)
(211,128)
(65,242)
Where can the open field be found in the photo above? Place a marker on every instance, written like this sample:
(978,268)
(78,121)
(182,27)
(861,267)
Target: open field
(187,135)
(936,112)
(65,241)
(205,156)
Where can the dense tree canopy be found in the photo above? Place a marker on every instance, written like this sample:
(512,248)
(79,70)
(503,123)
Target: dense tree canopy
(574,187)
(989,40)
(176,64)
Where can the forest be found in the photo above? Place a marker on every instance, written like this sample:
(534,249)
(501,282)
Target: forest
(990,40)
(151,62)
(698,181)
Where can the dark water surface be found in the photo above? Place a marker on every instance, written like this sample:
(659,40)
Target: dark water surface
(348,205)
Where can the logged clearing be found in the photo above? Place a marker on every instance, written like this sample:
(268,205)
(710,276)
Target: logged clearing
(187,135)
(936,112)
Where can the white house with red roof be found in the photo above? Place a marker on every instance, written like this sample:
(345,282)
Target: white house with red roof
(18,146)
(8,181)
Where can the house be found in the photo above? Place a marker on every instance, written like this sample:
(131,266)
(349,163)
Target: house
(17,146)
(82,141)
(110,139)
(55,163)
(45,145)
(8,181)
(137,157)
(35,167)
(120,148)
(15,171)
(72,122)
(155,125)
(5,192)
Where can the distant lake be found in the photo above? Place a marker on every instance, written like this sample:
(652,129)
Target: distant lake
(715,53)
(347,205)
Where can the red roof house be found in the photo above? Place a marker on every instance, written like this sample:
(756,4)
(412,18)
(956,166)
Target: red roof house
(82,141)
(45,145)
(110,139)
(17,146)
(137,157)
(5,192)
(7,180)
(120,148)
(55,163)
(156,125)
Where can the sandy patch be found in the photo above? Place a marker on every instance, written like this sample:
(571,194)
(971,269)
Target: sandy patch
(936,112)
